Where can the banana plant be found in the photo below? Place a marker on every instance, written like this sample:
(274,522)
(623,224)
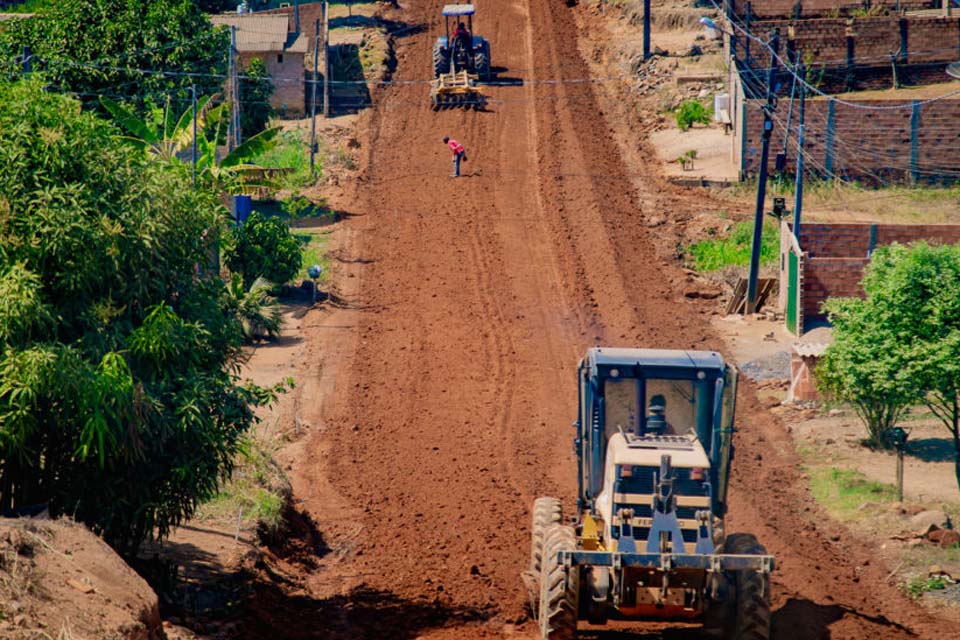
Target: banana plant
(170,139)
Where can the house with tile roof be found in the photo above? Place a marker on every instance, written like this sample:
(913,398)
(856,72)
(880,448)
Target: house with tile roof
(269,38)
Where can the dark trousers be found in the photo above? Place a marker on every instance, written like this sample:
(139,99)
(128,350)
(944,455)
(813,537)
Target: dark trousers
(457,157)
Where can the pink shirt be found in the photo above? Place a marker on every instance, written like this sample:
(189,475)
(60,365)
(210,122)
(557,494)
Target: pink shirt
(455,146)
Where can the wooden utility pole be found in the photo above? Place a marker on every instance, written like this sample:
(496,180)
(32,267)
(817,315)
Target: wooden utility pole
(238,134)
(313,101)
(326,59)
(193,150)
(231,129)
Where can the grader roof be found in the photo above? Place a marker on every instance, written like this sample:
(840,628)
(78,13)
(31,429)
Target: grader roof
(654,358)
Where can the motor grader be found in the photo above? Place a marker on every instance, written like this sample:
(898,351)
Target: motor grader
(647,541)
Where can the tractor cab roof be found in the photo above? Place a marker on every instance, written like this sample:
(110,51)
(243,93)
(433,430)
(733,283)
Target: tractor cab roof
(456,10)
(604,359)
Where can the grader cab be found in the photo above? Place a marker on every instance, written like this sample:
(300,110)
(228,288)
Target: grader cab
(648,541)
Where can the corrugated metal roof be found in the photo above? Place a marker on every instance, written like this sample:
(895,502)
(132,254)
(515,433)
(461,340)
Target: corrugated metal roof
(809,349)
(263,33)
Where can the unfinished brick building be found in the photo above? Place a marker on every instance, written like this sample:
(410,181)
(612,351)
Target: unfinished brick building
(859,125)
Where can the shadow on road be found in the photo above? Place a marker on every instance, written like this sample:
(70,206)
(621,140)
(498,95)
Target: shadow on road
(362,613)
(931,449)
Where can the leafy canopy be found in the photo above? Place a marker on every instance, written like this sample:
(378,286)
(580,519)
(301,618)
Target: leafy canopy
(263,247)
(143,52)
(119,397)
(169,138)
(255,92)
(901,344)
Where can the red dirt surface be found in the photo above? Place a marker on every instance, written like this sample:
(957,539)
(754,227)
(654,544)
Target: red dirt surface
(444,384)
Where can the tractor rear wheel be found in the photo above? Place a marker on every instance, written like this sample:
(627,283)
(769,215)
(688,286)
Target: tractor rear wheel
(751,609)
(440,64)
(559,588)
(546,512)
(481,63)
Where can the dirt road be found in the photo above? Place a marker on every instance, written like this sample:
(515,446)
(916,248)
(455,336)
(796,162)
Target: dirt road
(450,387)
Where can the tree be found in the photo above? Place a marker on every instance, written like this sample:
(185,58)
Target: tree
(170,138)
(119,398)
(263,247)
(917,291)
(255,92)
(865,367)
(901,344)
(142,52)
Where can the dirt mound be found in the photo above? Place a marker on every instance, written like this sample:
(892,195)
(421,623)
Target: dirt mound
(58,580)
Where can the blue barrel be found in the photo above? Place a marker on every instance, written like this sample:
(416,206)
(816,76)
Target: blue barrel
(242,206)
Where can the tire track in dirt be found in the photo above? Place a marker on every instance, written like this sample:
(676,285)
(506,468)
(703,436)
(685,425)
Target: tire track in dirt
(481,294)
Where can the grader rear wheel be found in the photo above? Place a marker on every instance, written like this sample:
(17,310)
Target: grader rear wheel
(559,587)
(751,609)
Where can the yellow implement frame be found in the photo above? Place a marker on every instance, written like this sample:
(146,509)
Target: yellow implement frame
(456,89)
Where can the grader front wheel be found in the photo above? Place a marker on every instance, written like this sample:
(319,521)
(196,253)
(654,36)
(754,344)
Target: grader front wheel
(546,512)
(559,586)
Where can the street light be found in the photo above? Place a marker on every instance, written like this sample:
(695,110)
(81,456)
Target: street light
(898,438)
(953,70)
(314,272)
(714,27)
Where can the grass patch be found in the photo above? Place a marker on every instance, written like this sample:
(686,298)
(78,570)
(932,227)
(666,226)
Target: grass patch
(835,201)
(734,249)
(843,491)
(919,585)
(256,493)
(313,244)
(292,152)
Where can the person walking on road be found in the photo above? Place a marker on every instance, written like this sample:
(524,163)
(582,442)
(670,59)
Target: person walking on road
(459,153)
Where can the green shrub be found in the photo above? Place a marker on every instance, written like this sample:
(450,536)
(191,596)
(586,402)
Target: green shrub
(291,153)
(691,112)
(919,585)
(263,247)
(734,250)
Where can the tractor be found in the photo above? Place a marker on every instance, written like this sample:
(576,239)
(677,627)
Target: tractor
(654,447)
(461,49)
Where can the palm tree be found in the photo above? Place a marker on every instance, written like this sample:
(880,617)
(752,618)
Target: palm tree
(169,139)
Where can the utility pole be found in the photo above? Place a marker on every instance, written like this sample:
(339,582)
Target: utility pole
(313,101)
(326,59)
(646,29)
(193,151)
(238,134)
(231,130)
(751,306)
(801,138)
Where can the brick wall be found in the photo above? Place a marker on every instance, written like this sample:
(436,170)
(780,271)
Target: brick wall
(870,145)
(830,240)
(824,41)
(835,256)
(815,8)
(829,278)
(286,74)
